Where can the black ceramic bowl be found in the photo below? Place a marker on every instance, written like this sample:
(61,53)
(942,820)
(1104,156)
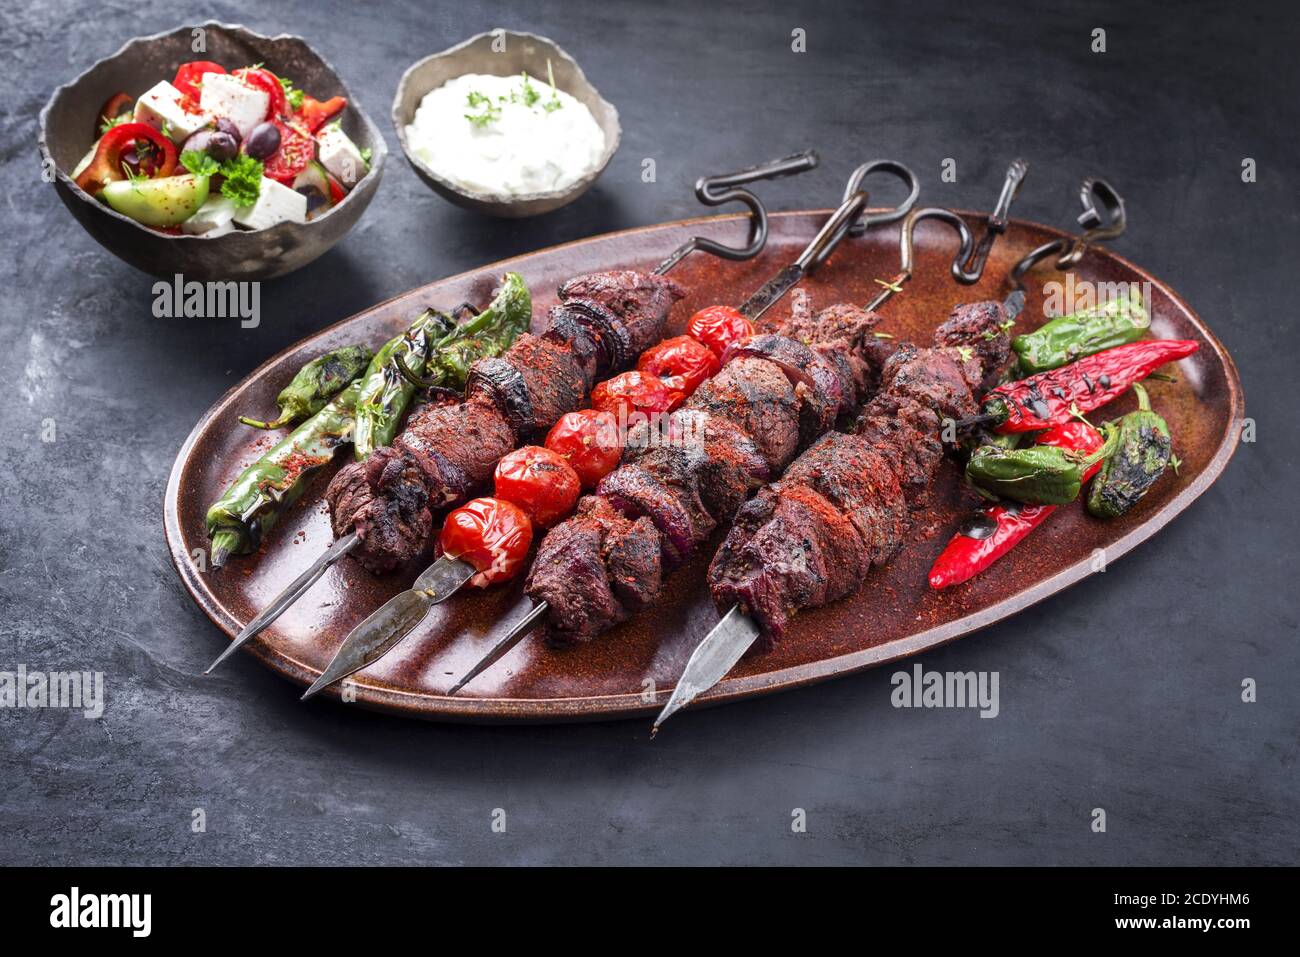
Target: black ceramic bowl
(68,120)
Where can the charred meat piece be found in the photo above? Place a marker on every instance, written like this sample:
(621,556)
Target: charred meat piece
(533,384)
(758,398)
(595,570)
(640,300)
(844,505)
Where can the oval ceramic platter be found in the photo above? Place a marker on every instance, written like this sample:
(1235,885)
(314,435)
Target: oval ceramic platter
(893,615)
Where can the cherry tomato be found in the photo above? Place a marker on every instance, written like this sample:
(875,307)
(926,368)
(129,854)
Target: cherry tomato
(539,481)
(630,392)
(136,146)
(589,441)
(297,149)
(190,75)
(492,535)
(269,83)
(682,362)
(718,327)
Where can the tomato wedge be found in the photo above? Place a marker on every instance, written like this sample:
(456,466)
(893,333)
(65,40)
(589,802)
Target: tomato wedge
(135,146)
(313,114)
(267,81)
(492,535)
(297,149)
(190,75)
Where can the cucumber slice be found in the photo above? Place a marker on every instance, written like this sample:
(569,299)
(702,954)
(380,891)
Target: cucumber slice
(313,182)
(158,202)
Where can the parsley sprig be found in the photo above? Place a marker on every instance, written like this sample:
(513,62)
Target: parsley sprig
(241,174)
(527,95)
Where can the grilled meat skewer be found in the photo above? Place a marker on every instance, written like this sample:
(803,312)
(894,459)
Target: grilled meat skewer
(844,506)
(603,322)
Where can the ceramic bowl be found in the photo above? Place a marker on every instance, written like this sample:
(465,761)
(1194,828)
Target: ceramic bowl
(67,124)
(503,53)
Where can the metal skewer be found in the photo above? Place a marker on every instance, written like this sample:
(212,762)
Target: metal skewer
(828,237)
(736,632)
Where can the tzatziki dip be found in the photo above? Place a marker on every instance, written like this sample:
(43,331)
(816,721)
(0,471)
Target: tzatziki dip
(505,135)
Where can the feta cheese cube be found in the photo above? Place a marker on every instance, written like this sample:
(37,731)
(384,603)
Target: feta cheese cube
(213,218)
(340,155)
(164,109)
(224,95)
(276,204)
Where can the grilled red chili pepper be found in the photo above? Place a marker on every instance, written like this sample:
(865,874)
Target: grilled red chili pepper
(996,529)
(1051,398)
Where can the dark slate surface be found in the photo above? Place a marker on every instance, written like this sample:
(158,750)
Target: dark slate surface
(1123,693)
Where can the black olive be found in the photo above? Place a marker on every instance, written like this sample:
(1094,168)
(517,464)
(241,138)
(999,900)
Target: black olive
(226,126)
(217,144)
(262,141)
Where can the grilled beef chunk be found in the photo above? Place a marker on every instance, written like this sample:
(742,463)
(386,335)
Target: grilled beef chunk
(597,568)
(447,453)
(773,396)
(844,505)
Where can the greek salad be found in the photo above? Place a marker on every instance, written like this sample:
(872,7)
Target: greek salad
(214,151)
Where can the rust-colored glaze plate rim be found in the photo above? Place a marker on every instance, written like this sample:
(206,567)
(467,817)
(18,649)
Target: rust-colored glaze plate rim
(423,704)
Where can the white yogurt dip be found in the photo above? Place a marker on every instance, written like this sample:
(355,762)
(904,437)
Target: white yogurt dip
(505,135)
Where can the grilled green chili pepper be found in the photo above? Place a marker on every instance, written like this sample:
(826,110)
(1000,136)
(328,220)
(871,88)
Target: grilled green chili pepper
(252,505)
(1142,454)
(384,394)
(1038,475)
(446,356)
(315,384)
(1066,338)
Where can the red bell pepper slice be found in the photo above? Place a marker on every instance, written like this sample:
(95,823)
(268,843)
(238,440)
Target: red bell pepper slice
(313,114)
(137,146)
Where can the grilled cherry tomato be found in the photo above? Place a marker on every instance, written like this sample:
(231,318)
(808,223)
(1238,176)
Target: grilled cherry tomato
(718,327)
(190,75)
(135,146)
(313,114)
(589,441)
(682,362)
(492,535)
(634,391)
(269,83)
(539,481)
(297,149)
(113,107)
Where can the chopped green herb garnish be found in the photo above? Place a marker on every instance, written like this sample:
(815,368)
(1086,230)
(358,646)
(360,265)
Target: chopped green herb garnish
(291,94)
(553,103)
(366,153)
(200,163)
(115,121)
(490,111)
(242,179)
